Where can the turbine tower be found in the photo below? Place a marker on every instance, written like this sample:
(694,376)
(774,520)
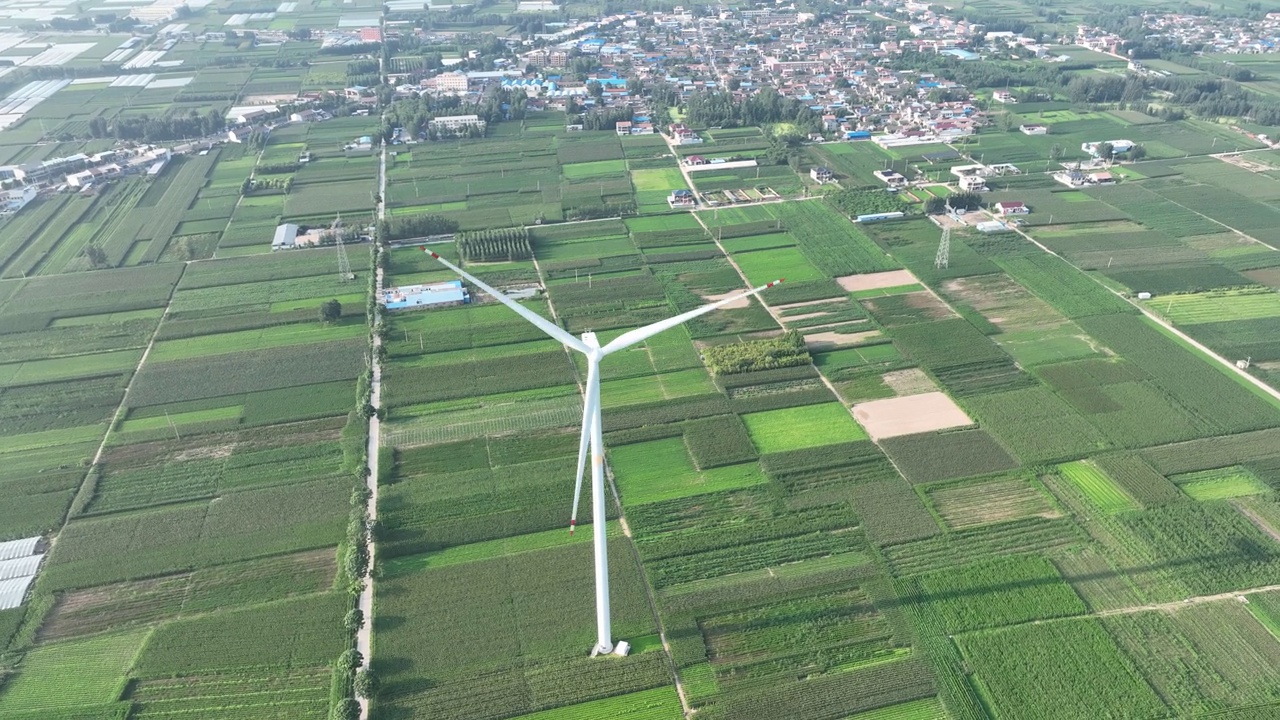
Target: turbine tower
(592,429)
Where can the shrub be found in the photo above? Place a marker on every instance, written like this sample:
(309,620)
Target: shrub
(346,709)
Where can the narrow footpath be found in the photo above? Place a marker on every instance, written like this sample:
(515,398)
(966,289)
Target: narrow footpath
(364,637)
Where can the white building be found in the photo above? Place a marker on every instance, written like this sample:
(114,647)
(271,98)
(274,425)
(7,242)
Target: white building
(286,237)
(892,178)
(1117,147)
(971,178)
(11,201)
(453,123)
(450,82)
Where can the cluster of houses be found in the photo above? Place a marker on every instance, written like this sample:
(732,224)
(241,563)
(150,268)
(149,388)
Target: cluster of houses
(1213,33)
(681,134)
(835,64)
(26,181)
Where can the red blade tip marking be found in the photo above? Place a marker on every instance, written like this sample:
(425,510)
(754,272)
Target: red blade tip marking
(423,248)
(437,257)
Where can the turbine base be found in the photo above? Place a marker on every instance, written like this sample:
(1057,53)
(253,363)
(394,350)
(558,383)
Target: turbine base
(604,649)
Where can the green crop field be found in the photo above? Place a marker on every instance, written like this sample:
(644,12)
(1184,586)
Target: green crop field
(1220,484)
(1072,666)
(1099,488)
(1217,306)
(765,266)
(662,470)
(73,674)
(655,704)
(802,427)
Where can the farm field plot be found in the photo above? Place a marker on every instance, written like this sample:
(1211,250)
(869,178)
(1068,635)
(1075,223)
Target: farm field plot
(802,427)
(910,414)
(927,709)
(1203,657)
(972,504)
(1004,591)
(1075,667)
(765,266)
(1100,489)
(431,644)
(930,457)
(655,704)
(1220,484)
(299,693)
(855,161)
(1218,306)
(663,470)
(70,675)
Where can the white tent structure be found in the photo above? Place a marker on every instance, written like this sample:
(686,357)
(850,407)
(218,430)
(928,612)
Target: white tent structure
(18,566)
(18,548)
(593,428)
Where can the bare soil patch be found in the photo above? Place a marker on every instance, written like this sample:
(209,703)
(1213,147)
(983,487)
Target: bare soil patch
(910,415)
(1264,276)
(806,303)
(991,502)
(211,452)
(828,340)
(912,381)
(877,281)
(1004,302)
(739,303)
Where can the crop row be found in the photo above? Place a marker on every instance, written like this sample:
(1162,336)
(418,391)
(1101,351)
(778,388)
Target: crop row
(892,513)
(1021,536)
(239,525)
(1071,666)
(831,695)
(832,244)
(1000,591)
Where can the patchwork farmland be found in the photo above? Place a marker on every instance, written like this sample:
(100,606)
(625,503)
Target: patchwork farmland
(780,493)
(998,487)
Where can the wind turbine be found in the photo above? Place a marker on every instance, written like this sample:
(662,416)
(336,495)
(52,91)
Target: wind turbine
(592,428)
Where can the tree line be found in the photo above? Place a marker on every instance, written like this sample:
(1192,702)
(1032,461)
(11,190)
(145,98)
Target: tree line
(415,114)
(716,108)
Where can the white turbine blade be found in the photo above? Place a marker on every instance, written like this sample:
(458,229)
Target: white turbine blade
(631,337)
(543,324)
(588,413)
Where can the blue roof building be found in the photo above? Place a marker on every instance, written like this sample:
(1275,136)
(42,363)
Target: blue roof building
(412,296)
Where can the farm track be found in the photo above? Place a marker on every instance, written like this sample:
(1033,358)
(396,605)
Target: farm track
(1175,604)
(97,456)
(364,636)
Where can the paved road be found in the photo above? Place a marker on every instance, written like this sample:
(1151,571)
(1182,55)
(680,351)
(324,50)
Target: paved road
(364,638)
